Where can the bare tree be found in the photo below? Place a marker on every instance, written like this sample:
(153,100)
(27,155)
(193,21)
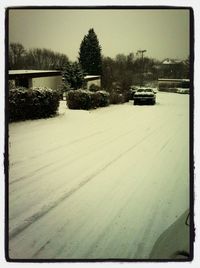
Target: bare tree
(16,55)
(45,59)
(36,58)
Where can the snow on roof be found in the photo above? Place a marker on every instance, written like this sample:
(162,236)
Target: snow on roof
(22,72)
(171,61)
(167,61)
(13,72)
(170,79)
(92,76)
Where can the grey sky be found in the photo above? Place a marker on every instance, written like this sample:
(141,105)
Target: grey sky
(163,33)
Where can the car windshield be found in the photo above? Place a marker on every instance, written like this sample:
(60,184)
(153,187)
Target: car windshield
(144,90)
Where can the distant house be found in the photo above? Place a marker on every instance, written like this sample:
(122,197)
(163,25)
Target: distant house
(171,62)
(36,78)
(174,68)
(92,79)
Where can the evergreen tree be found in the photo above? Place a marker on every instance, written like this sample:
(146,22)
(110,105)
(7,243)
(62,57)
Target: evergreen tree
(73,76)
(90,54)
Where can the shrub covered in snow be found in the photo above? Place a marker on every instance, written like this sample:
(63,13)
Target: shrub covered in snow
(131,92)
(100,99)
(116,98)
(94,88)
(84,99)
(32,103)
(11,84)
(79,99)
(18,104)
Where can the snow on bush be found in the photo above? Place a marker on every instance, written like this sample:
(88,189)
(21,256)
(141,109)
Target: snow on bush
(100,99)
(94,88)
(85,100)
(116,98)
(32,103)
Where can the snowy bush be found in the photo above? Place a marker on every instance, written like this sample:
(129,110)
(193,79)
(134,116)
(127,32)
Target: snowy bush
(18,104)
(79,99)
(11,84)
(94,88)
(127,95)
(100,99)
(131,92)
(32,103)
(85,100)
(116,98)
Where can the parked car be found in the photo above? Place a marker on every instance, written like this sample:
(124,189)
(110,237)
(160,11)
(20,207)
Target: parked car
(144,96)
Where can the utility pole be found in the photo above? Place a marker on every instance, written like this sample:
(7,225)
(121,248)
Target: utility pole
(142,69)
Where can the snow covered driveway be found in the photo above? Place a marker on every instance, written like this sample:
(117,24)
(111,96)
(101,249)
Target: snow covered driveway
(98,184)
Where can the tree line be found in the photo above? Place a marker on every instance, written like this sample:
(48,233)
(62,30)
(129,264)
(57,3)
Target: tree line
(120,72)
(35,58)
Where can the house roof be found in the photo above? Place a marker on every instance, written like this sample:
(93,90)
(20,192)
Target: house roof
(173,80)
(171,61)
(32,73)
(91,77)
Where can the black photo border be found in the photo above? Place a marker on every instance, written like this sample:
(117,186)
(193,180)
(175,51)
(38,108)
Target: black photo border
(191,133)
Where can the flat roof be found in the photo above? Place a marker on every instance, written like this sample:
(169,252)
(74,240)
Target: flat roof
(32,73)
(91,77)
(174,79)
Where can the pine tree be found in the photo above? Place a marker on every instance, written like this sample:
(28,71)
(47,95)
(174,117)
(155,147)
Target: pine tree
(73,75)
(90,54)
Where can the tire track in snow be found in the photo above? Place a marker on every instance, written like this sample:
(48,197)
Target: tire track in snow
(62,185)
(71,161)
(105,232)
(46,208)
(82,139)
(57,148)
(64,163)
(46,245)
(68,144)
(105,142)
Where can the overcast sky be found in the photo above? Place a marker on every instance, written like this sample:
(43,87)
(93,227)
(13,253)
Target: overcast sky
(163,33)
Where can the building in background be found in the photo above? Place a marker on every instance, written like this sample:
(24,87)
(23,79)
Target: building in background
(92,79)
(45,78)
(174,69)
(36,78)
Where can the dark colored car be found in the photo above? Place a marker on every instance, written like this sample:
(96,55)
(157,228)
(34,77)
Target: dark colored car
(144,96)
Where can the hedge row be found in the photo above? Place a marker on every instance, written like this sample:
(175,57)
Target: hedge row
(32,103)
(84,99)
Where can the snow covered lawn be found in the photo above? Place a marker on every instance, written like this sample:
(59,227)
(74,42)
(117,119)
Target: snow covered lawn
(98,184)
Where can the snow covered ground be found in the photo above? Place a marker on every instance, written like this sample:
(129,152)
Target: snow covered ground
(98,184)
